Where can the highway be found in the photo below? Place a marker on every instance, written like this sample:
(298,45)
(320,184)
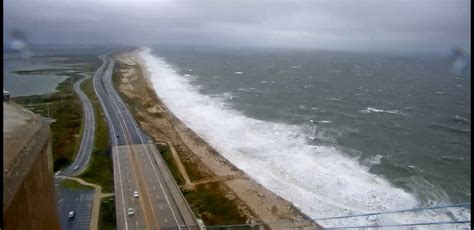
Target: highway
(138,166)
(87,143)
(74,200)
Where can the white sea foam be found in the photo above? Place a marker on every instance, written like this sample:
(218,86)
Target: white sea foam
(374,110)
(373,160)
(319,180)
(462,118)
(334,98)
(324,121)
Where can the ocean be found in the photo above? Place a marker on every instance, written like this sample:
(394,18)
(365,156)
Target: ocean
(334,133)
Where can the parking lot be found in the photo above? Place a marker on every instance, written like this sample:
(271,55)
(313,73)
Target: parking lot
(79,201)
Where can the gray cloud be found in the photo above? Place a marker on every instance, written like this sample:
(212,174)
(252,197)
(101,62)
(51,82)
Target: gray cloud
(343,24)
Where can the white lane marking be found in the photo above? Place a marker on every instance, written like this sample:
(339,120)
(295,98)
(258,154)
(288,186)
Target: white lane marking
(136,222)
(146,150)
(149,160)
(159,181)
(166,220)
(104,109)
(157,197)
(161,207)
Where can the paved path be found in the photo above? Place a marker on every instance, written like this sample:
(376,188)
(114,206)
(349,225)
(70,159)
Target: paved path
(180,165)
(190,185)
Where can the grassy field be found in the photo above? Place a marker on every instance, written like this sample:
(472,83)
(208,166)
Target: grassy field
(212,207)
(107,219)
(168,157)
(100,168)
(65,107)
(74,185)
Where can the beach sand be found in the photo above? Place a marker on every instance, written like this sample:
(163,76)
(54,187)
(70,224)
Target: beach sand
(254,201)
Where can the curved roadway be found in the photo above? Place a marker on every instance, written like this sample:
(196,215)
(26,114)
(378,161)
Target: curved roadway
(79,201)
(87,143)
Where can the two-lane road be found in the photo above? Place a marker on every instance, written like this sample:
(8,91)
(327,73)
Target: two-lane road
(87,143)
(79,201)
(137,167)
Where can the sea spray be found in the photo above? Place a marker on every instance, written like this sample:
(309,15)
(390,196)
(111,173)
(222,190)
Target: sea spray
(319,180)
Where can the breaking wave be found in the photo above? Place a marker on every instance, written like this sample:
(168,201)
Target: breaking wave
(374,110)
(320,180)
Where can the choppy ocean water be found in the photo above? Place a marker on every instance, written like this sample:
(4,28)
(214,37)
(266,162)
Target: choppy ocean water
(334,133)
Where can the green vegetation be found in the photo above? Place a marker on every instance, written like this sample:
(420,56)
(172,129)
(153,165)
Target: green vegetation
(212,207)
(74,185)
(100,168)
(99,171)
(65,107)
(107,218)
(168,157)
(193,171)
(51,71)
(102,131)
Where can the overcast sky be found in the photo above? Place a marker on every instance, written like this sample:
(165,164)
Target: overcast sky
(360,25)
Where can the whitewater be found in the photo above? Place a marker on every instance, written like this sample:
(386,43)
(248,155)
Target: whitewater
(320,180)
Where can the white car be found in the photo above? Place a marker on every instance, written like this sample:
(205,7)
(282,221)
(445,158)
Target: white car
(135,194)
(76,168)
(71,214)
(131,211)
(58,173)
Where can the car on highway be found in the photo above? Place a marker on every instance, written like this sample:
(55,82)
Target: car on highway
(58,173)
(131,211)
(76,168)
(71,214)
(135,194)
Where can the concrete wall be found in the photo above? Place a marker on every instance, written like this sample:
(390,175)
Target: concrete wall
(28,189)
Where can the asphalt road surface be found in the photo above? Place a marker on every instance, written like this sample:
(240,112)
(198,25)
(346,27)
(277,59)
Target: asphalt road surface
(138,167)
(87,143)
(78,200)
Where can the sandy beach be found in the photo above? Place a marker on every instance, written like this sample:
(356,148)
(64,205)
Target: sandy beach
(255,202)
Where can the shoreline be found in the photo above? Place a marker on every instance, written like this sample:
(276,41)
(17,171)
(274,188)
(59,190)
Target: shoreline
(266,205)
